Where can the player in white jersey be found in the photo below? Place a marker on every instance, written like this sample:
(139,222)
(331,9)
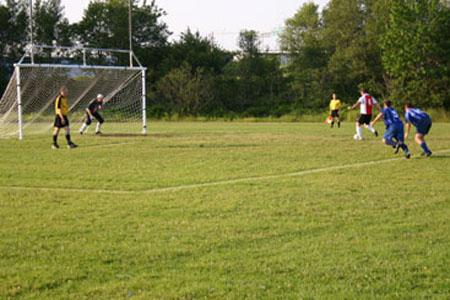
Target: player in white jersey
(366,104)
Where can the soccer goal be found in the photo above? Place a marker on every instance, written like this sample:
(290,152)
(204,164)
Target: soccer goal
(27,106)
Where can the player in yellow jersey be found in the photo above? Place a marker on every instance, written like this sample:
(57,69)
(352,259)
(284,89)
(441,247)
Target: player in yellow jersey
(335,107)
(61,120)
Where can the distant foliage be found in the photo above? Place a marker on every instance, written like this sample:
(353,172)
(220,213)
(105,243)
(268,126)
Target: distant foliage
(416,52)
(397,49)
(187,93)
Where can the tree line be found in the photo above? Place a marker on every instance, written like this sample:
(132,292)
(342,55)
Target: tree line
(396,49)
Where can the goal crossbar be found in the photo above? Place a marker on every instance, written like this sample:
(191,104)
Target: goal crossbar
(87,67)
(84,50)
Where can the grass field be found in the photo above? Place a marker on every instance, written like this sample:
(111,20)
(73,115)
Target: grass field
(225,211)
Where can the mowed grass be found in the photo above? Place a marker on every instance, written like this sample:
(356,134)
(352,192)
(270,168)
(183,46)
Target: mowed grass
(97,222)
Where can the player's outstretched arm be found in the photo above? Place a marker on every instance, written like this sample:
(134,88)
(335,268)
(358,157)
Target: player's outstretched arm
(354,105)
(378,106)
(376,119)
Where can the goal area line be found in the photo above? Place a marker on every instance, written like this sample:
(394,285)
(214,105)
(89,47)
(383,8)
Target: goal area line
(215,183)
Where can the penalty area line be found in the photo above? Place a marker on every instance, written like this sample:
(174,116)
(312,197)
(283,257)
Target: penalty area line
(278,176)
(215,183)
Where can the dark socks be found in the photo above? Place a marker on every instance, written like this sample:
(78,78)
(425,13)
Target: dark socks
(404,148)
(68,139)
(332,124)
(339,124)
(425,148)
(55,138)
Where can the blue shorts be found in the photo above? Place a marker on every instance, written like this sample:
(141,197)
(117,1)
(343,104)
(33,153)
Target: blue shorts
(424,126)
(395,131)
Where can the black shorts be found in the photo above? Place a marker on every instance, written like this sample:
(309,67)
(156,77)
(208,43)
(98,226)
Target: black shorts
(58,122)
(95,115)
(424,126)
(364,119)
(335,113)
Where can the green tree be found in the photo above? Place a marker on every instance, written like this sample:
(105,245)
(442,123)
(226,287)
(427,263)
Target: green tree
(253,84)
(352,28)
(105,24)
(198,52)
(303,39)
(416,55)
(13,36)
(249,43)
(14,28)
(49,22)
(202,55)
(186,92)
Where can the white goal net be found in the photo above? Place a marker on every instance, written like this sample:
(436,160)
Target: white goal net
(27,106)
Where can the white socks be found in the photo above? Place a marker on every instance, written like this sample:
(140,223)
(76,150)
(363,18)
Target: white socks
(370,128)
(359,131)
(83,127)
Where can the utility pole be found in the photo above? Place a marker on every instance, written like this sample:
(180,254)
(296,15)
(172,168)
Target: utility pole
(130,33)
(31,32)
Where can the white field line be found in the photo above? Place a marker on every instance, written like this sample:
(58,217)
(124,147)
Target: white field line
(215,183)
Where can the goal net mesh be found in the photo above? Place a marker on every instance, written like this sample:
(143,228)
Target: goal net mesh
(40,85)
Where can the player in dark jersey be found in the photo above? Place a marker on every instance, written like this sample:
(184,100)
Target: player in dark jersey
(92,112)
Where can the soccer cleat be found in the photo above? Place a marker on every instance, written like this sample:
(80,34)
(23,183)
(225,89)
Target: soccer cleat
(98,132)
(376,133)
(426,154)
(55,146)
(408,155)
(71,146)
(397,148)
(357,137)
(81,132)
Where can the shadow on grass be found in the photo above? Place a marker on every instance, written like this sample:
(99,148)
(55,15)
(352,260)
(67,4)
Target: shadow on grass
(440,156)
(211,146)
(138,135)
(157,135)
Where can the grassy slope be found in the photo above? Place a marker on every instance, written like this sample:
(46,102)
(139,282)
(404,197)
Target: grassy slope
(379,231)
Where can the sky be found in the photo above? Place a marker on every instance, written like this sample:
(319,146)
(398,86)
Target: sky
(223,19)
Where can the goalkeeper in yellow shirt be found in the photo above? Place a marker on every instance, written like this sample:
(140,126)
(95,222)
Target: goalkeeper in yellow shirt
(335,107)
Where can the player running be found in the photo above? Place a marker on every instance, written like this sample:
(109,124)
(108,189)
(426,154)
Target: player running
(394,128)
(61,120)
(366,103)
(335,107)
(91,112)
(423,123)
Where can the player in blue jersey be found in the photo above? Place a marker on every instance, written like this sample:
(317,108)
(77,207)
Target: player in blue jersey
(423,123)
(394,128)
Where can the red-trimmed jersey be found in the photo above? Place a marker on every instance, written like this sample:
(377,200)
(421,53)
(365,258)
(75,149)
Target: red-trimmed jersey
(367,103)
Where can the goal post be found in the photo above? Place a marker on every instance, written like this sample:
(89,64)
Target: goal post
(19,101)
(144,104)
(27,105)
